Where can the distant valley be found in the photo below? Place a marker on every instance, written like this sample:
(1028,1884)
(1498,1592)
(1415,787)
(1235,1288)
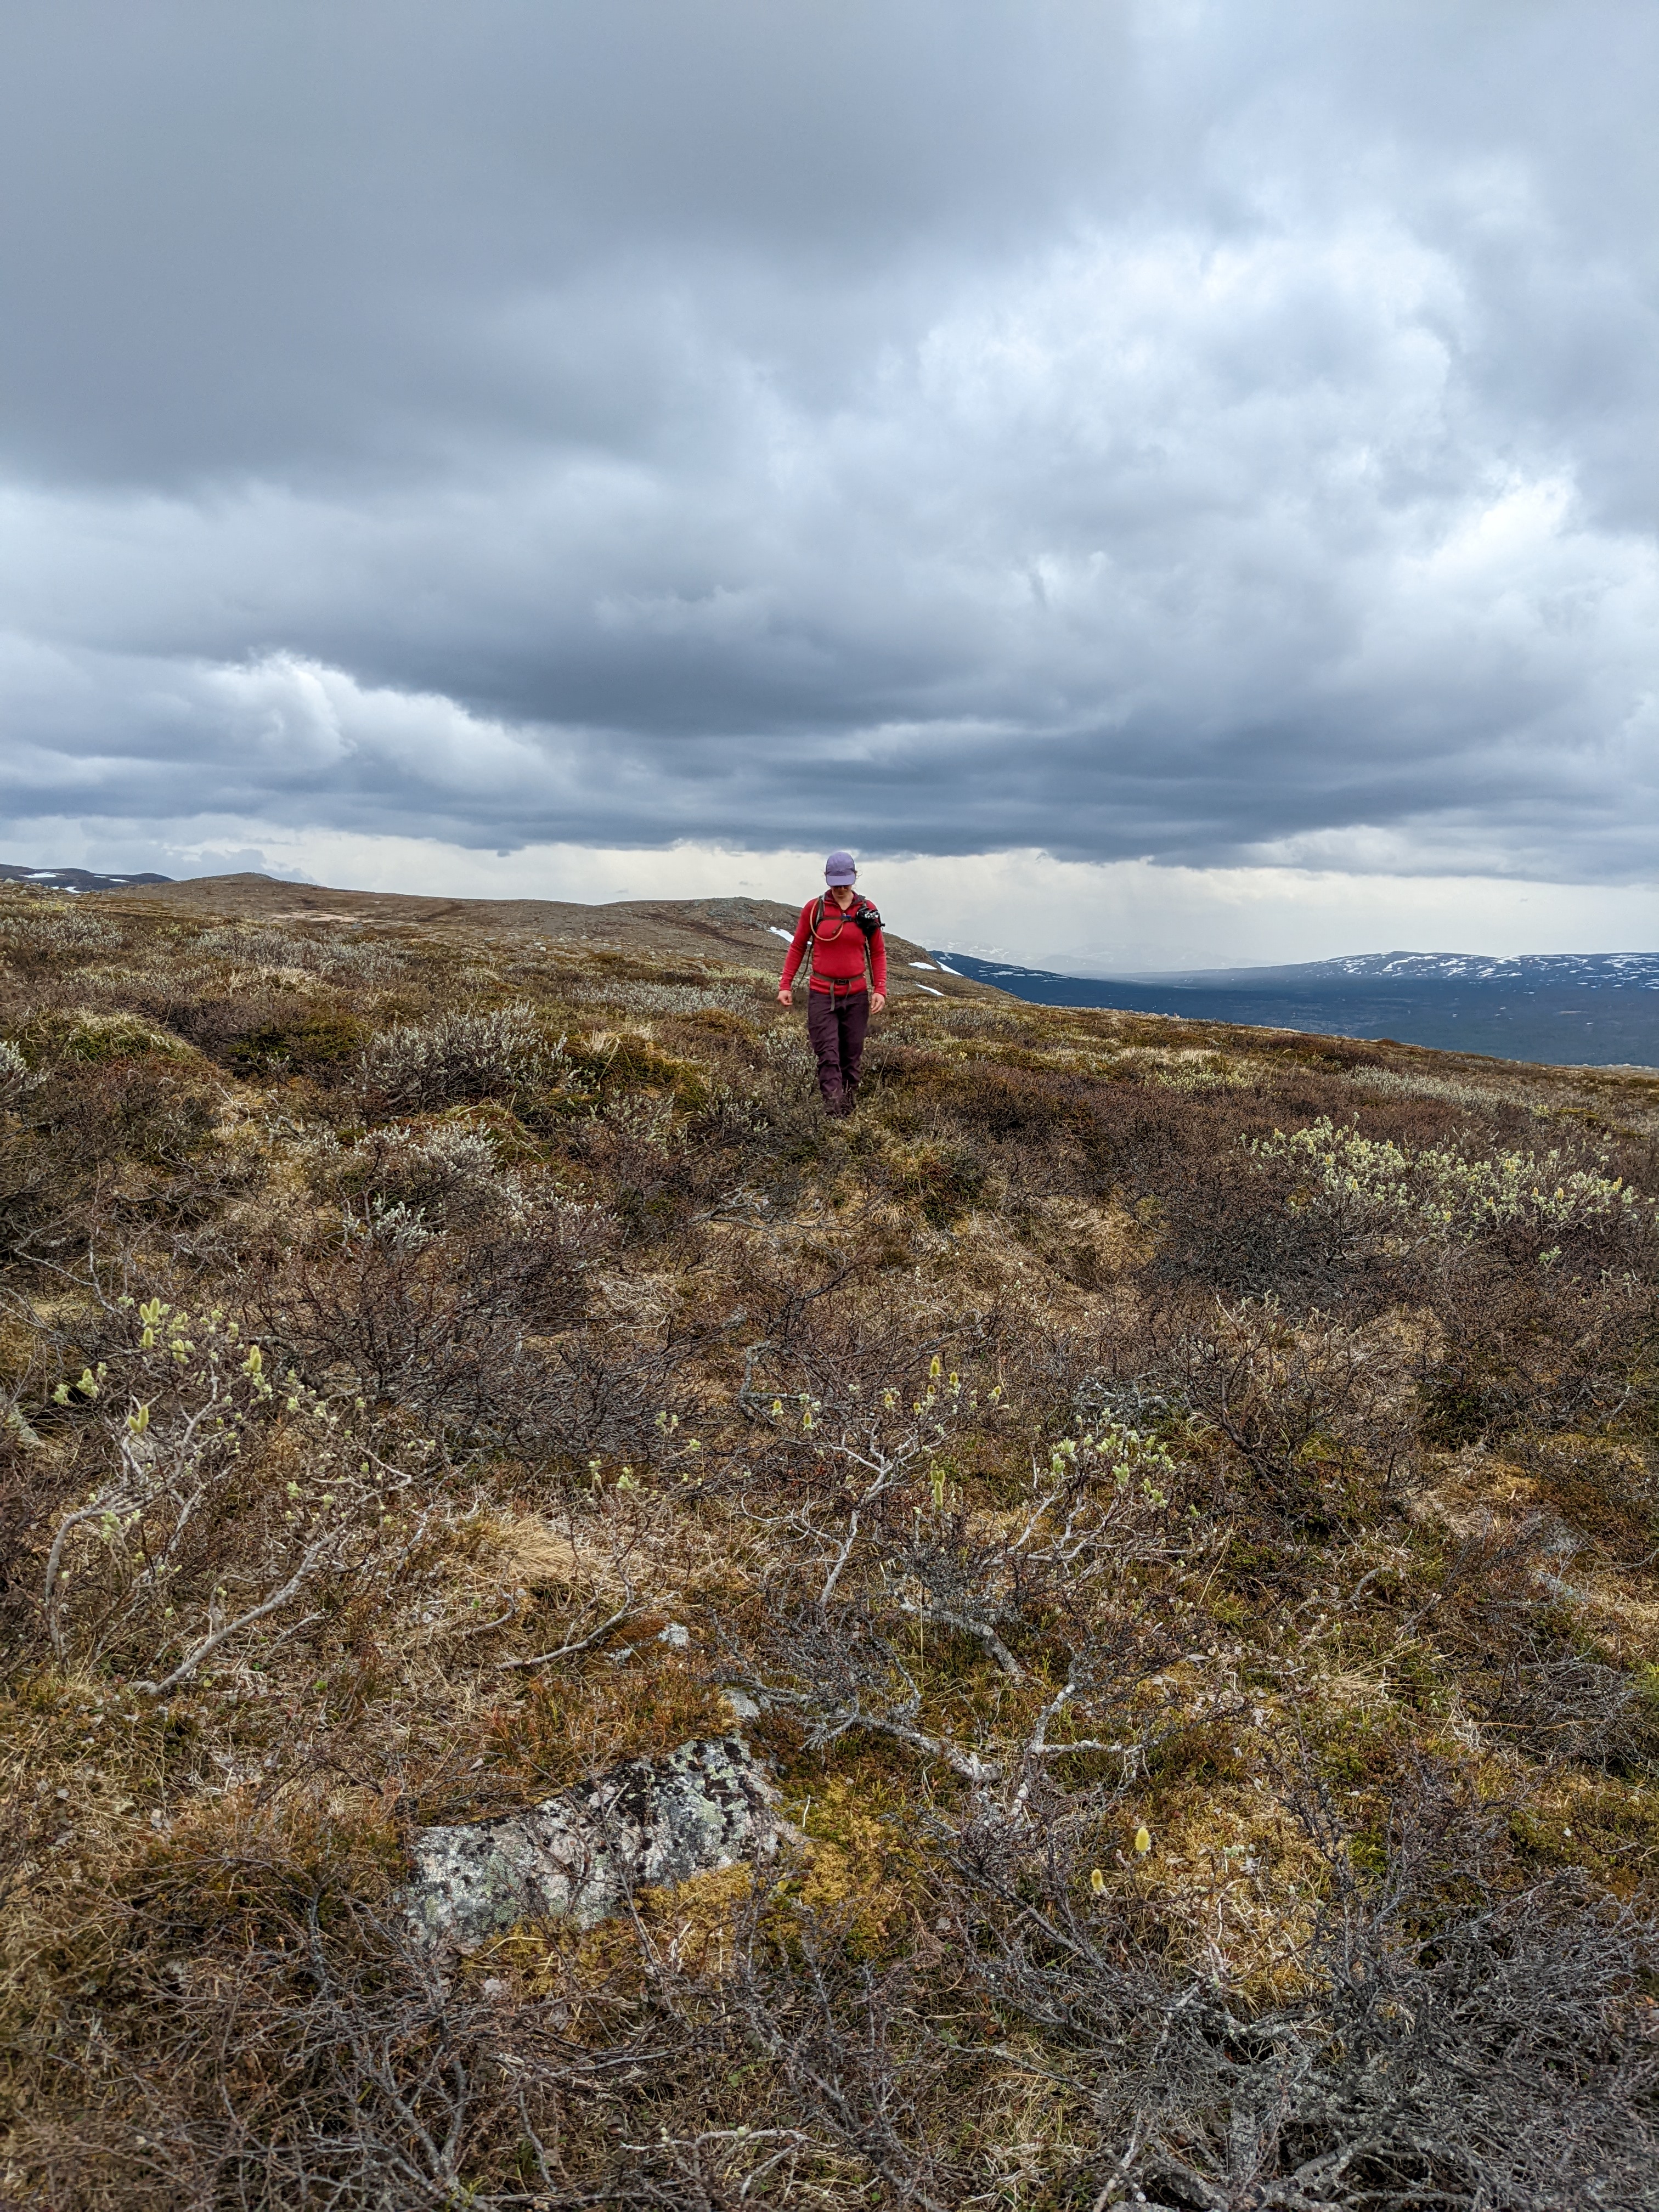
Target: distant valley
(1563,1009)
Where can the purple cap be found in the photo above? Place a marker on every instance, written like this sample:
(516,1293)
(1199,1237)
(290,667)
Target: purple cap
(839,869)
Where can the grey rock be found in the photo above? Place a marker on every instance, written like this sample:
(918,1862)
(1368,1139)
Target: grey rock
(648,1823)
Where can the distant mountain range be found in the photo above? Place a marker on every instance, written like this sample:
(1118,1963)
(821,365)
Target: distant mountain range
(1598,971)
(1564,1009)
(72,879)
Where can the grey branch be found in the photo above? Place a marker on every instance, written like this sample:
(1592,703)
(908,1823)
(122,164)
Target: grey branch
(968,1626)
(274,1603)
(573,1645)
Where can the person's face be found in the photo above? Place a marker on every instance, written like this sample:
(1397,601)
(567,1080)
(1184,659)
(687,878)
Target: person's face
(842,894)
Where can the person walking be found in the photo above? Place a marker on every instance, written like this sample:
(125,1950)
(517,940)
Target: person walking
(842,930)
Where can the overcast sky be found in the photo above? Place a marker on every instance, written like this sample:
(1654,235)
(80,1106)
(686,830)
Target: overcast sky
(1219,436)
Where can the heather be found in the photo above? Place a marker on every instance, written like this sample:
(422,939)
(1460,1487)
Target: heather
(1174,1506)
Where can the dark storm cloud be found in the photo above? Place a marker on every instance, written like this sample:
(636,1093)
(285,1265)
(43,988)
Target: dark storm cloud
(1209,433)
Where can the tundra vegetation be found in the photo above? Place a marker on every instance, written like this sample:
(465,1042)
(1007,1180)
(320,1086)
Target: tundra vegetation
(1173,1510)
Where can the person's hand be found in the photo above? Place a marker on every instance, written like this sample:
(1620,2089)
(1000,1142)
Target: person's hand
(786,998)
(877,1002)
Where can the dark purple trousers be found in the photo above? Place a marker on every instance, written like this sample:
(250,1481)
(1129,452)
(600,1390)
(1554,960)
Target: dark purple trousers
(836,1027)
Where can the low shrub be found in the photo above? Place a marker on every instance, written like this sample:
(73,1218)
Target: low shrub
(337,958)
(451,1176)
(267,1033)
(37,936)
(1431,1191)
(455,1332)
(1319,1417)
(453,1059)
(108,1114)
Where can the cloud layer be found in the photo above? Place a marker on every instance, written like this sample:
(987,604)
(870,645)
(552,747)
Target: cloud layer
(1218,435)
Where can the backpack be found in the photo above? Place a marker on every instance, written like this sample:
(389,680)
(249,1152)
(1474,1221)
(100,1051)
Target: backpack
(861,911)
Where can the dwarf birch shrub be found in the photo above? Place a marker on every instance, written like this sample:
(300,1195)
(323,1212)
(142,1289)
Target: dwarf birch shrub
(1434,1191)
(461,1334)
(648,998)
(55,932)
(339,960)
(225,1490)
(1318,1416)
(1392,1084)
(450,1174)
(788,1049)
(1459,2034)
(454,1058)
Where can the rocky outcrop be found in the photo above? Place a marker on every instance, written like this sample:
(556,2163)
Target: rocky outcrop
(646,1823)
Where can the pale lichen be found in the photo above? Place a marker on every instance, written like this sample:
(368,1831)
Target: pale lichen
(646,1824)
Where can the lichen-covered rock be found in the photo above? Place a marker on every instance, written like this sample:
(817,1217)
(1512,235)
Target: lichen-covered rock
(648,1822)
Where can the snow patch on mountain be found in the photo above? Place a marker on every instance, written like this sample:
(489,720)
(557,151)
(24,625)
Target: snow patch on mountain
(1623,970)
(71,879)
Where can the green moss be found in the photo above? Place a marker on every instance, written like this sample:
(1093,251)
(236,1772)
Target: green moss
(318,1044)
(1203,1751)
(638,1065)
(942,1180)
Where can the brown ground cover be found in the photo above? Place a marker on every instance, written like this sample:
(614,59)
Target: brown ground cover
(1175,1507)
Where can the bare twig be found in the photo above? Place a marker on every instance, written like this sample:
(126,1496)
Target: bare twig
(968,1626)
(274,1603)
(573,1646)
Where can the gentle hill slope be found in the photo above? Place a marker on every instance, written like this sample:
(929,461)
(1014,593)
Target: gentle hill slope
(742,930)
(1168,1511)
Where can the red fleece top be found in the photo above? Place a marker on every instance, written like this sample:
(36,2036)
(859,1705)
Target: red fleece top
(837,951)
